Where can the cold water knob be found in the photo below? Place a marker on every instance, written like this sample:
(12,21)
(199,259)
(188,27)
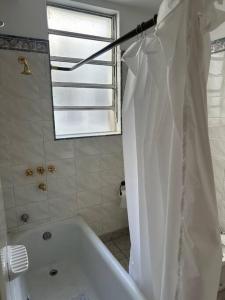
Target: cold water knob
(51,169)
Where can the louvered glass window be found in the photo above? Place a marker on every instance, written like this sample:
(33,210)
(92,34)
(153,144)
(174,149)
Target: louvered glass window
(86,101)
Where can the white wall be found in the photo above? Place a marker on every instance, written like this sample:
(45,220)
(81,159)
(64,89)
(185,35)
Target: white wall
(89,171)
(28,17)
(24,18)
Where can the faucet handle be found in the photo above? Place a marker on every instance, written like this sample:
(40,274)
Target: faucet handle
(51,169)
(40,170)
(29,172)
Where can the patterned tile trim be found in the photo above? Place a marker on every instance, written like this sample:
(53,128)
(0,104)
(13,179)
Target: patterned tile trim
(10,42)
(218,45)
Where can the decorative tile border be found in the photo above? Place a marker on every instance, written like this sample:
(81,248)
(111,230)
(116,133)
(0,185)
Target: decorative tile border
(218,45)
(10,42)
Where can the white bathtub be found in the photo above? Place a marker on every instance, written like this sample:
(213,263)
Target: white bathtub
(86,268)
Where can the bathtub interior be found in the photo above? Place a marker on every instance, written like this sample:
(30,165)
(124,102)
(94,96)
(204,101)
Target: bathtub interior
(86,270)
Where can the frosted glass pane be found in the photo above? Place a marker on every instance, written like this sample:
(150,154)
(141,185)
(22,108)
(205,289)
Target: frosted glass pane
(215,82)
(70,123)
(85,74)
(81,97)
(216,86)
(74,21)
(76,48)
(216,66)
(216,79)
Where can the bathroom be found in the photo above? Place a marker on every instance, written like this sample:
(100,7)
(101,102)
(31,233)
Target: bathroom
(78,215)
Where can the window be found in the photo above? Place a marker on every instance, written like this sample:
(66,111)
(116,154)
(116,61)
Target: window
(86,101)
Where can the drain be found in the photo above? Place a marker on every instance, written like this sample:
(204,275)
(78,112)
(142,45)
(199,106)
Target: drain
(53,272)
(46,235)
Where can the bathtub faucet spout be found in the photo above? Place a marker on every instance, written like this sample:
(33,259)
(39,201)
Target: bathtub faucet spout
(24,218)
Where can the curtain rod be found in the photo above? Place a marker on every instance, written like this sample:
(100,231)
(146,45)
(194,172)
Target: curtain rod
(139,29)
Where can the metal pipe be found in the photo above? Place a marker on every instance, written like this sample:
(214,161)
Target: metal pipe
(140,28)
(77,60)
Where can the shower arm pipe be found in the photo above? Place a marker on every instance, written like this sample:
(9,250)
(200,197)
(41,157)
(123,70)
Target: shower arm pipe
(139,29)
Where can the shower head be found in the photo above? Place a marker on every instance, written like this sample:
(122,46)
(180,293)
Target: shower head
(23,61)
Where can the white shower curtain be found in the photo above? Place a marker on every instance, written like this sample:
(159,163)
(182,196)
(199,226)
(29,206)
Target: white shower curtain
(175,252)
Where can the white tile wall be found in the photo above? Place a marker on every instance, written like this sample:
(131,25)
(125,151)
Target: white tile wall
(88,171)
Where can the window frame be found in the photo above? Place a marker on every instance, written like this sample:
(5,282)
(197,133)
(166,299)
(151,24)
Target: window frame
(115,62)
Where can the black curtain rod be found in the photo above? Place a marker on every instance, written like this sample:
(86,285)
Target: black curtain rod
(139,29)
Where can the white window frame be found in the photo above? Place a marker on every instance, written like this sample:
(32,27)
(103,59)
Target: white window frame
(116,72)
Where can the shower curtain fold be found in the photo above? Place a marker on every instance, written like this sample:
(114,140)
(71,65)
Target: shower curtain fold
(168,171)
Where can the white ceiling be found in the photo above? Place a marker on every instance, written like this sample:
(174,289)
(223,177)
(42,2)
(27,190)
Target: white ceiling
(150,4)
